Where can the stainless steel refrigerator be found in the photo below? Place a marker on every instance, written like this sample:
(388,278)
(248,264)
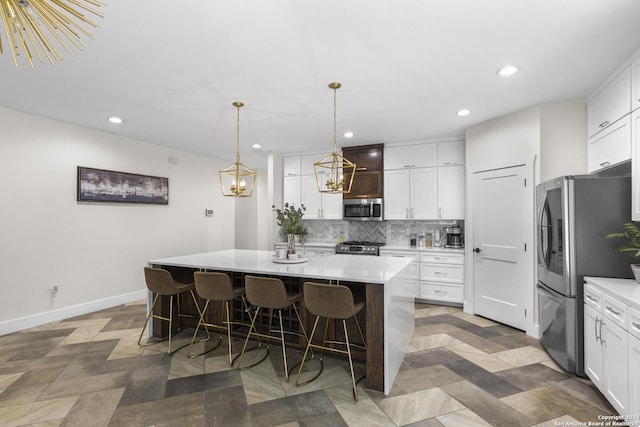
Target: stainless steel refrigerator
(574,215)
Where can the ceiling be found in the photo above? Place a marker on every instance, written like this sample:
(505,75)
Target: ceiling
(172,70)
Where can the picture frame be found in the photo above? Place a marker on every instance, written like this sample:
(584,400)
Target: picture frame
(106,186)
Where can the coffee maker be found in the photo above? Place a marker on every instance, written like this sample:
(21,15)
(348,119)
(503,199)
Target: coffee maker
(455,238)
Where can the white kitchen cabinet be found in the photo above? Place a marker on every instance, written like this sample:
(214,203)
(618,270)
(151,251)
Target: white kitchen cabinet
(291,166)
(605,326)
(319,205)
(451,194)
(635,165)
(451,153)
(411,193)
(442,277)
(411,156)
(292,190)
(635,87)
(634,361)
(308,160)
(407,281)
(611,146)
(610,103)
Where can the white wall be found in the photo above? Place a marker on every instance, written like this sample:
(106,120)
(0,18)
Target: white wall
(563,139)
(92,251)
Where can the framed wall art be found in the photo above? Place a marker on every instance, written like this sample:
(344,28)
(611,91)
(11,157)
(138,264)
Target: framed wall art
(98,185)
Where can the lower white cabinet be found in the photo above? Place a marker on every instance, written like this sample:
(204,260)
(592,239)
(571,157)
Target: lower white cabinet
(435,276)
(606,345)
(633,327)
(635,165)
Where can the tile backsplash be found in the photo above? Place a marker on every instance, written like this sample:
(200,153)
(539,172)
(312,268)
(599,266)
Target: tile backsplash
(390,232)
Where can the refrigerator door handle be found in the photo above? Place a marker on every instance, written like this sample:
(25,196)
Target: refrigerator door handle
(544,249)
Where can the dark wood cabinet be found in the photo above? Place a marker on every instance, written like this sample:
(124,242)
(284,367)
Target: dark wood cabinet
(367,183)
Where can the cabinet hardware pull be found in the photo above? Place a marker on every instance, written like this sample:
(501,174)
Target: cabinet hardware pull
(406,213)
(604,124)
(450,163)
(361,169)
(604,164)
(412,213)
(637,325)
(612,310)
(596,328)
(409,166)
(601,340)
(439,292)
(592,298)
(440,273)
(362,196)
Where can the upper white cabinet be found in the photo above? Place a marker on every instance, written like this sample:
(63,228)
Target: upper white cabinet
(635,84)
(451,153)
(611,146)
(451,195)
(291,166)
(411,193)
(425,181)
(300,188)
(635,166)
(411,156)
(610,103)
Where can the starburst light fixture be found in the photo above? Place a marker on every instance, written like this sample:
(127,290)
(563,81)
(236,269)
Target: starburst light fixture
(41,27)
(237,180)
(334,173)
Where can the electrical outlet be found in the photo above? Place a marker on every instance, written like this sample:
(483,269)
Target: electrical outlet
(54,290)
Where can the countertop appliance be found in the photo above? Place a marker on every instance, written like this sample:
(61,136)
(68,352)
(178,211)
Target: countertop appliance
(455,238)
(574,215)
(353,247)
(362,209)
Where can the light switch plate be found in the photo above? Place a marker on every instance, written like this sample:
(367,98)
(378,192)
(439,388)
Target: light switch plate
(208,212)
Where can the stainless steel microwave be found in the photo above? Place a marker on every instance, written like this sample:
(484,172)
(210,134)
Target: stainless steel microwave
(362,209)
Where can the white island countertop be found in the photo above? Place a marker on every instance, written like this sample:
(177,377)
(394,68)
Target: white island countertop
(362,268)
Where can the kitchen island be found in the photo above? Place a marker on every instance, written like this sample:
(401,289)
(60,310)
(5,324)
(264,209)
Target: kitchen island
(389,316)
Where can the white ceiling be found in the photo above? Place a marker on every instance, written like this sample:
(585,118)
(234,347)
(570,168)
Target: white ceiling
(171,70)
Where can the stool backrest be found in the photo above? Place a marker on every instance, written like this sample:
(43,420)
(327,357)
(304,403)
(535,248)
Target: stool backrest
(213,286)
(159,281)
(266,292)
(332,301)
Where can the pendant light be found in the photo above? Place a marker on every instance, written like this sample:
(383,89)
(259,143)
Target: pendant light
(334,173)
(38,26)
(237,180)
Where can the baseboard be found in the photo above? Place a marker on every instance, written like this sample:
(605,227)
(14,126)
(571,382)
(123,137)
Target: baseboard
(27,322)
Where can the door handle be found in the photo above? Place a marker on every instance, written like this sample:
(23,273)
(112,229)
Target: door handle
(477,250)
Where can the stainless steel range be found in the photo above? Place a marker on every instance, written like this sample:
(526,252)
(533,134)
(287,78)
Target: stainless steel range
(359,248)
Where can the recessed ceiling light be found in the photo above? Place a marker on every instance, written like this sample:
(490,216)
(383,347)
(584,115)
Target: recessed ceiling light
(508,70)
(116,120)
(256,146)
(348,134)
(463,112)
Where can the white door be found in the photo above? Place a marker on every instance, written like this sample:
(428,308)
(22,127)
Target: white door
(502,210)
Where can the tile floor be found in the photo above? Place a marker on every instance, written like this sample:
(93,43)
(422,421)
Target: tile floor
(461,370)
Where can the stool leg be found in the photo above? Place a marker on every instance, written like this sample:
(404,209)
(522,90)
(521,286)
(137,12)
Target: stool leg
(226,307)
(304,356)
(146,321)
(353,377)
(201,313)
(170,321)
(284,347)
(200,322)
(246,341)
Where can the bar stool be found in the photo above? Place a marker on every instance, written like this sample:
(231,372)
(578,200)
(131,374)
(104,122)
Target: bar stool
(331,302)
(160,282)
(270,293)
(217,287)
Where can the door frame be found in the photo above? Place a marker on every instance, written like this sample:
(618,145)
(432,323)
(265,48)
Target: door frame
(532,324)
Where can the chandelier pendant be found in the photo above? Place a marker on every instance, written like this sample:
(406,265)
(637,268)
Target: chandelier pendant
(334,173)
(237,180)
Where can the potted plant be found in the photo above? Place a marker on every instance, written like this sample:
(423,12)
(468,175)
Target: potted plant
(289,220)
(632,245)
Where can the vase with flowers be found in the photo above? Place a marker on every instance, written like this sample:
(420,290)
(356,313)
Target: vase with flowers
(632,245)
(289,219)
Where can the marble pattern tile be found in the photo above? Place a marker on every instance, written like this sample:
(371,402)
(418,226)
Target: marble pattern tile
(462,370)
(419,405)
